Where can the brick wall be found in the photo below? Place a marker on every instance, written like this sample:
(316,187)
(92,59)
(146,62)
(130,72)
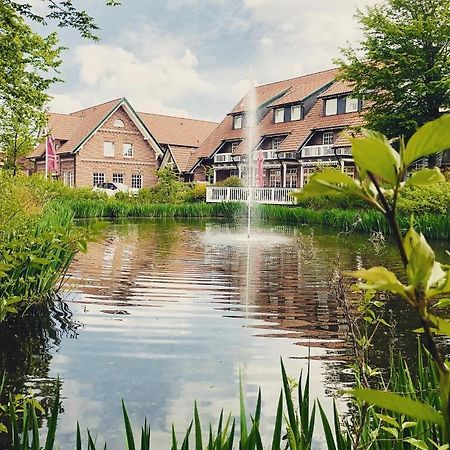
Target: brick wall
(91,157)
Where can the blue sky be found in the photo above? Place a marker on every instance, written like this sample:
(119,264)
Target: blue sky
(194,57)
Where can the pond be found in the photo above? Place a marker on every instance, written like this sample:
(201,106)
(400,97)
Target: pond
(164,312)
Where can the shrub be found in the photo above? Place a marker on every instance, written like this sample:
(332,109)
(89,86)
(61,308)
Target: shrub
(232,181)
(195,194)
(433,199)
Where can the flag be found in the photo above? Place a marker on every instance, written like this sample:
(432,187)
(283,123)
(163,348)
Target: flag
(260,170)
(51,159)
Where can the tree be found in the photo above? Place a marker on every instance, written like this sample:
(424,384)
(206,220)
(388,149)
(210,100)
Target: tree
(402,66)
(27,58)
(63,12)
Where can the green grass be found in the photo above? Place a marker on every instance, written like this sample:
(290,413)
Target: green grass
(432,226)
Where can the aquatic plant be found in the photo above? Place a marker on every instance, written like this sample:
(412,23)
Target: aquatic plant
(382,172)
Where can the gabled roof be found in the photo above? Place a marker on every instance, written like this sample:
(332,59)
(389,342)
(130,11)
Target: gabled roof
(292,90)
(340,87)
(73,130)
(282,92)
(184,157)
(178,130)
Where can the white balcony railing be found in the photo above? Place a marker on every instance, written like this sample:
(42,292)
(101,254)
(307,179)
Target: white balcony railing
(317,150)
(274,196)
(223,157)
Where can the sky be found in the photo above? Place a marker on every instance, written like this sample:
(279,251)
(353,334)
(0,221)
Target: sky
(193,58)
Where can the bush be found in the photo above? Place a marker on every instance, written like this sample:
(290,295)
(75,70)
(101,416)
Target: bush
(195,194)
(425,199)
(232,181)
(333,202)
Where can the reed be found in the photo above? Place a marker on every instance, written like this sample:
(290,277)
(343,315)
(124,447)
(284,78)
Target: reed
(294,427)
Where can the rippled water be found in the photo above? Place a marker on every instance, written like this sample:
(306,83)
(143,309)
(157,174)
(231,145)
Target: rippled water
(167,312)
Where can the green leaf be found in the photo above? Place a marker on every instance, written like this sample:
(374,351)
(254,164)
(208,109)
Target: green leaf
(374,154)
(408,425)
(420,258)
(417,443)
(399,404)
(425,177)
(380,278)
(388,419)
(441,325)
(433,137)
(129,432)
(82,245)
(391,430)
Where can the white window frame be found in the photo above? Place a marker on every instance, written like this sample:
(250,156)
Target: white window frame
(126,150)
(328,138)
(278,115)
(234,146)
(307,173)
(136,181)
(118,178)
(108,149)
(275,178)
(119,123)
(291,177)
(276,142)
(237,122)
(331,106)
(351,104)
(349,170)
(296,108)
(71,181)
(98,178)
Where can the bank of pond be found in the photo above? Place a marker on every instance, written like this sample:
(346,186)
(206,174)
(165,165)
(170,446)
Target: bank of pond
(433,226)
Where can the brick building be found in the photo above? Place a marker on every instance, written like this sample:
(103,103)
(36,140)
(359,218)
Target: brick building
(299,129)
(111,142)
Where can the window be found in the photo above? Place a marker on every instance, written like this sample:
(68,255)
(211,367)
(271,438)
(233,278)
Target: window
(275,178)
(67,178)
(307,172)
(128,150)
(279,115)
(119,123)
(328,138)
(351,104)
(117,178)
(234,146)
(136,181)
(237,122)
(276,142)
(108,149)
(349,170)
(98,178)
(234,173)
(291,178)
(296,112)
(331,106)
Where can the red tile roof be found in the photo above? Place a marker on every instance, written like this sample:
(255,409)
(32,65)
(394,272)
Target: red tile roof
(73,128)
(177,130)
(296,132)
(184,157)
(338,88)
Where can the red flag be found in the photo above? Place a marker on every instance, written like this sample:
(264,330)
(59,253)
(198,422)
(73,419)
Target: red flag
(51,159)
(260,170)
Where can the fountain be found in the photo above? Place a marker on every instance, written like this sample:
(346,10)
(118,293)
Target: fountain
(251,132)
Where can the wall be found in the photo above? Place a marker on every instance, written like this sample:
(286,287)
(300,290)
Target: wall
(91,157)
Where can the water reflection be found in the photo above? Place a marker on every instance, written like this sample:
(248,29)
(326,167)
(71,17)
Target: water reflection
(169,314)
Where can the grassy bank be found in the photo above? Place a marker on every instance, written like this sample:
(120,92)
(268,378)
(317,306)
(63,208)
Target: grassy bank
(433,226)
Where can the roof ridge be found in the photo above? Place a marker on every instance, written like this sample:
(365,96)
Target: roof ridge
(95,106)
(300,76)
(177,117)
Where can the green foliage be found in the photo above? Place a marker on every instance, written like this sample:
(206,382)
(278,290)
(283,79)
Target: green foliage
(38,241)
(196,194)
(27,58)
(400,68)
(233,181)
(63,12)
(382,171)
(432,199)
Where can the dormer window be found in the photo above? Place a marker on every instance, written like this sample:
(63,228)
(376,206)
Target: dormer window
(237,122)
(234,146)
(331,106)
(278,115)
(276,142)
(351,104)
(296,112)
(118,123)
(328,138)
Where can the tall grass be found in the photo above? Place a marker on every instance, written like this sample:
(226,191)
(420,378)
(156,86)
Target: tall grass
(294,427)
(431,225)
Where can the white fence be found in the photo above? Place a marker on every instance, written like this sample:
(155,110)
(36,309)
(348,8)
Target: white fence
(274,196)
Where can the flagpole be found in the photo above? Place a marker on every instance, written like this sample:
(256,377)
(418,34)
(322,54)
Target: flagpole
(46,158)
